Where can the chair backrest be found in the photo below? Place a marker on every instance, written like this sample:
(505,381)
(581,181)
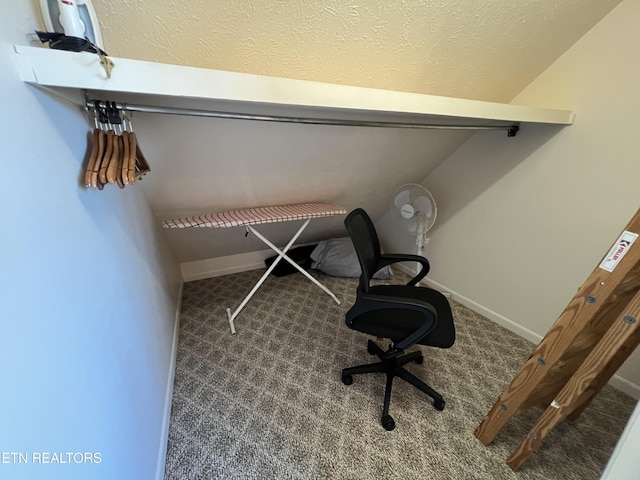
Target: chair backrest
(365,240)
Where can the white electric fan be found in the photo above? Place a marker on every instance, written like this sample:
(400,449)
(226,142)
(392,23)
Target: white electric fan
(414,208)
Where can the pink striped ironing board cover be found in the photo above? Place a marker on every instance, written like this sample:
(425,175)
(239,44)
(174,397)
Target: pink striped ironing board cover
(255,216)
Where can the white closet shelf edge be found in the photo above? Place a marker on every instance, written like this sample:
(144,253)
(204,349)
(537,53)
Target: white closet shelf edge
(82,71)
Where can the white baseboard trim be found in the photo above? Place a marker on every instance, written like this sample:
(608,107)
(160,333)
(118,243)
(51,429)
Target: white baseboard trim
(625,386)
(488,313)
(217,267)
(616,381)
(164,433)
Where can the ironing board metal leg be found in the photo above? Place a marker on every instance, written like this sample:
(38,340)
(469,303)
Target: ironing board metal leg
(281,254)
(231,324)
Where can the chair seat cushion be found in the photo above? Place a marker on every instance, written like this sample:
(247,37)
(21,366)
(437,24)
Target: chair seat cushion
(397,324)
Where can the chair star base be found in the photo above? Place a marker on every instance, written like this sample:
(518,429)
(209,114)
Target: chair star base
(392,365)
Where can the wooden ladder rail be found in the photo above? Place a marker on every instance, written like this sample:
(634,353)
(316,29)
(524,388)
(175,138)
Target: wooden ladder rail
(592,337)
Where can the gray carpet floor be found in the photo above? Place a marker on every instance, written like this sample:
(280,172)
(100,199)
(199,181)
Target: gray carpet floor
(268,402)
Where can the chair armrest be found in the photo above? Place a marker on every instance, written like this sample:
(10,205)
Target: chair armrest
(368,302)
(389,258)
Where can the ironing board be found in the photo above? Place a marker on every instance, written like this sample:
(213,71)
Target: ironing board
(255,216)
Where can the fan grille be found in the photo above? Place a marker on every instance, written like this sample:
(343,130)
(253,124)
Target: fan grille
(414,208)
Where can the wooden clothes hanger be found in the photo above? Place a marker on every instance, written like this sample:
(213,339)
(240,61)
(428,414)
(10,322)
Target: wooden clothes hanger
(110,162)
(102,173)
(98,150)
(141,165)
(115,156)
(95,153)
(122,176)
(137,165)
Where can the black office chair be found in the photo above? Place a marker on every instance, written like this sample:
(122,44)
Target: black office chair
(406,314)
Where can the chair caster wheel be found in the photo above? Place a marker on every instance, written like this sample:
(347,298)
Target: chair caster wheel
(388,423)
(438,404)
(347,379)
(420,360)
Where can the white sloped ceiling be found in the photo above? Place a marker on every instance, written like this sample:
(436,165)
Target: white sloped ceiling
(201,165)
(486,50)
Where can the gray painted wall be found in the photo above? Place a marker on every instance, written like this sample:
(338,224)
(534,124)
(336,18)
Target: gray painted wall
(89,291)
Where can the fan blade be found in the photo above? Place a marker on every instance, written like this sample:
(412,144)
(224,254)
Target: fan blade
(424,205)
(402,198)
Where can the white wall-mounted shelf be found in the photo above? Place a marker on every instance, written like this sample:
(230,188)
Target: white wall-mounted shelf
(156,84)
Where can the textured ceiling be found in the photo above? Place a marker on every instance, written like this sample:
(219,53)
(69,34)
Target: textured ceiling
(480,49)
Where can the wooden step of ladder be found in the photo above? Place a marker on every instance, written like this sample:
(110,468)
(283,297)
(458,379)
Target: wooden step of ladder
(592,337)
